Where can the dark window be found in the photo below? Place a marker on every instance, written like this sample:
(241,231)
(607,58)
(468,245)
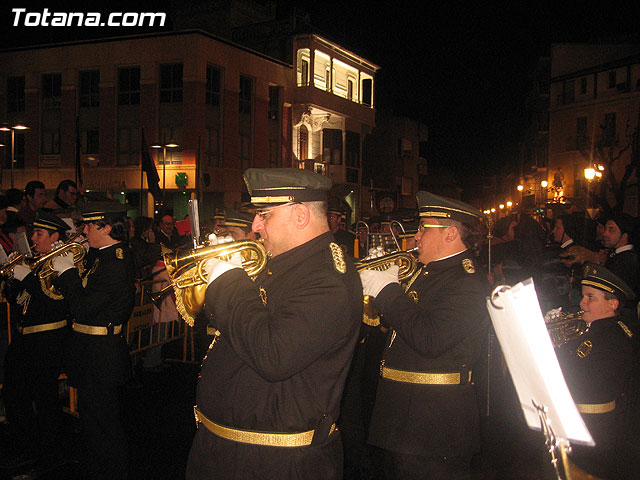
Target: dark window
(211,148)
(303,143)
(274,103)
(583,86)
(171,83)
(367,92)
(581,131)
(245,151)
(569,91)
(51,90)
(332,146)
(128,146)
(612,79)
(129,86)
(304,73)
(246,94)
(352,149)
(90,88)
(350,89)
(15,94)
(50,144)
(214,76)
(90,142)
(609,129)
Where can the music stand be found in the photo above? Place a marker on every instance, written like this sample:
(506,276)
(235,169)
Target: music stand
(542,391)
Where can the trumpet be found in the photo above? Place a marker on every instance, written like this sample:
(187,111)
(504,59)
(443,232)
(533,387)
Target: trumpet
(189,279)
(408,266)
(43,264)
(565,327)
(404,259)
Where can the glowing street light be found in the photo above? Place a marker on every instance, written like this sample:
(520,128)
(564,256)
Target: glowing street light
(501,206)
(164,161)
(589,173)
(520,188)
(544,184)
(509,203)
(12,128)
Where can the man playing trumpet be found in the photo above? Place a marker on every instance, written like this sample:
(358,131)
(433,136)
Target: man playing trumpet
(34,358)
(270,386)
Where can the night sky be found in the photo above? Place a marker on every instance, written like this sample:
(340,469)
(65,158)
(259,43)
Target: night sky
(461,69)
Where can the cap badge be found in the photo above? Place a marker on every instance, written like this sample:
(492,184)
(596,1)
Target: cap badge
(468,266)
(338,258)
(119,253)
(413,295)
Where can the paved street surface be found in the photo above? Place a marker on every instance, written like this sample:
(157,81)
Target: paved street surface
(160,426)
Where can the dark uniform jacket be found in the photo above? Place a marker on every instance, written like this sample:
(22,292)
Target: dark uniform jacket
(280,363)
(596,367)
(104,298)
(625,266)
(40,352)
(33,363)
(442,331)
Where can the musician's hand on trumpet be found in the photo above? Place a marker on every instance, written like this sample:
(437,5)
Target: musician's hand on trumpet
(214,267)
(62,263)
(20,271)
(373,281)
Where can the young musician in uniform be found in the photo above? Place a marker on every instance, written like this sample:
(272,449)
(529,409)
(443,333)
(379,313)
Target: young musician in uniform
(34,358)
(597,366)
(101,303)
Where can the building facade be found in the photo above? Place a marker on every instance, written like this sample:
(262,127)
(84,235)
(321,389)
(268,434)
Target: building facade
(593,112)
(225,106)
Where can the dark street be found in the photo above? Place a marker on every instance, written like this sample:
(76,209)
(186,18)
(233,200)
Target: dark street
(160,427)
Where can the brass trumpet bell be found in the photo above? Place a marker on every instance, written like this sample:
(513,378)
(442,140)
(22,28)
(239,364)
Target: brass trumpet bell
(189,279)
(404,259)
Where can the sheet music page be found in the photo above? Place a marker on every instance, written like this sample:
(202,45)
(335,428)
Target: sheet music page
(534,368)
(22,244)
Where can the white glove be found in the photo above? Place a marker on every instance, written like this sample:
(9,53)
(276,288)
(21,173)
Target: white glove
(62,263)
(20,271)
(12,256)
(373,281)
(215,267)
(553,315)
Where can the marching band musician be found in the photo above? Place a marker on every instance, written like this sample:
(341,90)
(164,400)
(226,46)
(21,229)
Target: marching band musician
(425,417)
(597,366)
(34,358)
(238,225)
(270,386)
(100,302)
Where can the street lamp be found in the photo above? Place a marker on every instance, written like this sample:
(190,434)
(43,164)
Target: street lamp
(520,188)
(164,162)
(589,173)
(544,184)
(12,128)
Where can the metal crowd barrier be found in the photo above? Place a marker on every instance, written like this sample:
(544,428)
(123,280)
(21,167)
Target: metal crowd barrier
(141,334)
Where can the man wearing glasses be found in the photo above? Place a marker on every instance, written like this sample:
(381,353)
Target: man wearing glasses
(101,301)
(425,417)
(271,383)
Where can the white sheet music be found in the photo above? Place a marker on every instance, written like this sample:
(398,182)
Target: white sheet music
(532,362)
